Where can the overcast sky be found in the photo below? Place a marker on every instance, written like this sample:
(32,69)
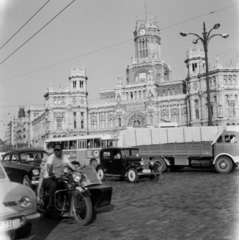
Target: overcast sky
(99,35)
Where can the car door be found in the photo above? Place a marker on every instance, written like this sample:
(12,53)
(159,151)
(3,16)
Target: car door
(106,161)
(16,168)
(117,162)
(6,162)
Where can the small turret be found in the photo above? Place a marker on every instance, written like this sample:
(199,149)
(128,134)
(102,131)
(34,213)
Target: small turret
(195,61)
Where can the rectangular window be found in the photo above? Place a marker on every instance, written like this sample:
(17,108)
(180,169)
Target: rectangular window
(97,143)
(231,110)
(59,124)
(73,144)
(106,155)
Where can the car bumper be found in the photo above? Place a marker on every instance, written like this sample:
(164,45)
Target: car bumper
(12,222)
(147,172)
(33,216)
(35,182)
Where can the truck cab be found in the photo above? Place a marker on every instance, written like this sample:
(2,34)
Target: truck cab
(226,151)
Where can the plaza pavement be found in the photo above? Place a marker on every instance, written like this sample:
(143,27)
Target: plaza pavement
(189,205)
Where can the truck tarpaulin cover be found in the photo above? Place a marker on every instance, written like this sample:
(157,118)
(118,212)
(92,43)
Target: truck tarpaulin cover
(146,136)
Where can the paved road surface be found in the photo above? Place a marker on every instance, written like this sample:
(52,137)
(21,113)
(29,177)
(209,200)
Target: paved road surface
(189,204)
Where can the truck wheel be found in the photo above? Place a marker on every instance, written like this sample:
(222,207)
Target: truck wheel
(132,175)
(223,164)
(100,173)
(162,164)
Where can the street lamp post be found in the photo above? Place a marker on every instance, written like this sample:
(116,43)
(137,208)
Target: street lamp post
(205,39)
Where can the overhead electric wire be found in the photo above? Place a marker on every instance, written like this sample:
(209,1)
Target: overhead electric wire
(24,24)
(113,44)
(199,16)
(37,32)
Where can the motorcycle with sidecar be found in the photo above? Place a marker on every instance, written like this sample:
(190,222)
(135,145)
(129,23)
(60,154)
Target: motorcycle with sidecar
(78,195)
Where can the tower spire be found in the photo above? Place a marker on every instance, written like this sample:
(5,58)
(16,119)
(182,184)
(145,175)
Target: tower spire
(145,9)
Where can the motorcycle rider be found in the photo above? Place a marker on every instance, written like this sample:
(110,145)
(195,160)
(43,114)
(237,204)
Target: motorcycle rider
(50,149)
(54,169)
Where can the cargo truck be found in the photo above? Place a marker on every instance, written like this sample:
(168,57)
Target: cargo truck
(175,148)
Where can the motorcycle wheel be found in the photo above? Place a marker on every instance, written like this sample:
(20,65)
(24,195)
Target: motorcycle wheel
(81,208)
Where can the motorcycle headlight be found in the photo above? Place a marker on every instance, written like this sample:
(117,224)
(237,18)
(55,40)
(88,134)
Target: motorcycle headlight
(65,170)
(25,202)
(35,172)
(76,177)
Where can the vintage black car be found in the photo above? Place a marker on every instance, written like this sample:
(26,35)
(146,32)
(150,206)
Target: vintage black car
(23,166)
(125,162)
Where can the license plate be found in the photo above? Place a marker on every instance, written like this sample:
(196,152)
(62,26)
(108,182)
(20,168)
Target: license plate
(146,171)
(5,225)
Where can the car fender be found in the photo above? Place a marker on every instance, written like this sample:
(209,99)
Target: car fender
(166,160)
(100,166)
(234,159)
(137,167)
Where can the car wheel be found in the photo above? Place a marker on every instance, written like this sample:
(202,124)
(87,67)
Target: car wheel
(162,164)
(101,174)
(223,164)
(93,163)
(132,175)
(24,231)
(26,181)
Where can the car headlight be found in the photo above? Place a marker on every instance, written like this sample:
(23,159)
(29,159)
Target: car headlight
(65,170)
(35,172)
(76,177)
(25,202)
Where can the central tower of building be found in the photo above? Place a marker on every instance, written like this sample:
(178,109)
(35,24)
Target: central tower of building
(147,57)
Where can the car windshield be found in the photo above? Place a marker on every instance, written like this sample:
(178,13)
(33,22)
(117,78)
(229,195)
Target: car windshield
(130,152)
(2,174)
(31,156)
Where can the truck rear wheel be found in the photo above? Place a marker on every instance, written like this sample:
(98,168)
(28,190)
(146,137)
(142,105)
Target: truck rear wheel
(223,164)
(162,164)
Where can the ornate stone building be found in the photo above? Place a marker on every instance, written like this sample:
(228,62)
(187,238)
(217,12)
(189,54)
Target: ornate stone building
(147,97)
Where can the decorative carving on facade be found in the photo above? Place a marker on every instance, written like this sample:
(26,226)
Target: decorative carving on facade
(136,121)
(59,115)
(195,86)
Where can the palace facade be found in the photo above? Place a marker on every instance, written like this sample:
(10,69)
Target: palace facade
(147,96)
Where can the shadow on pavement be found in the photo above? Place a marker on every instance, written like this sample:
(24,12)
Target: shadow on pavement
(42,227)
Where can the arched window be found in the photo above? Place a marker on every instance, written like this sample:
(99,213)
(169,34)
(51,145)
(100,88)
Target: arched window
(196,109)
(229,80)
(225,79)
(119,122)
